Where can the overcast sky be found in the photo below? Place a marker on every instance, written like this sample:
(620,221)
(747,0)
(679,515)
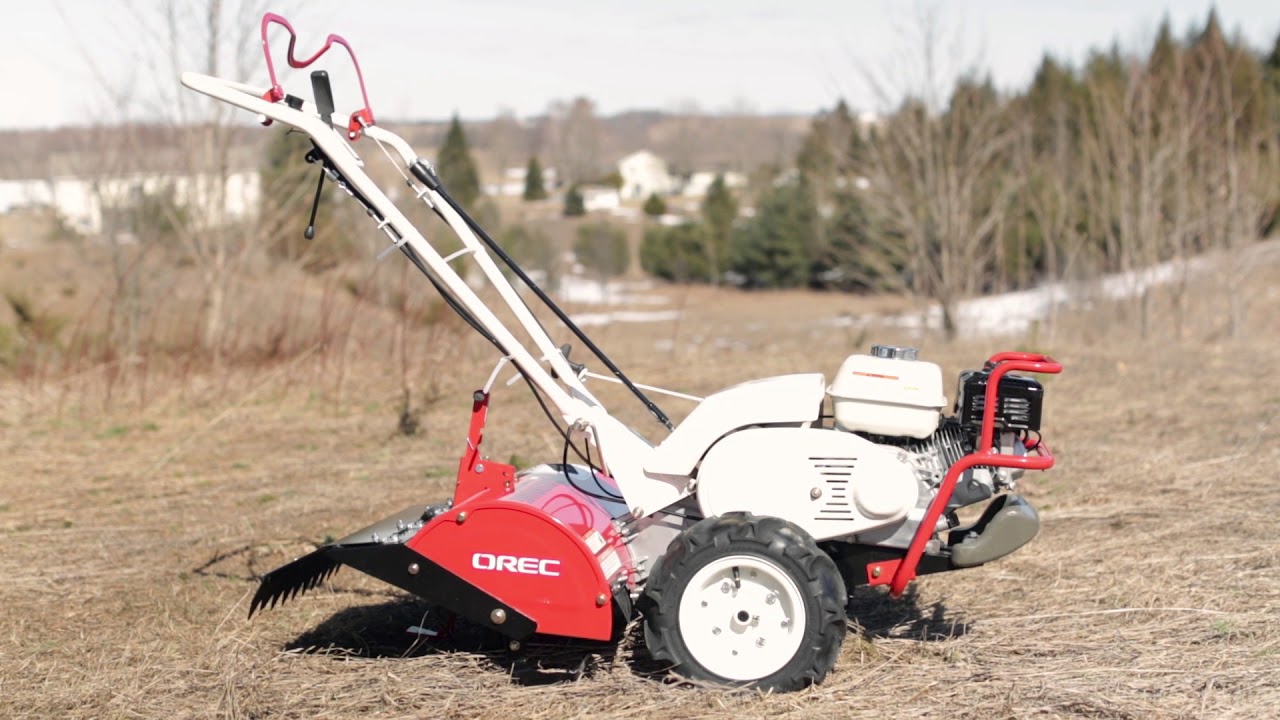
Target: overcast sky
(425,59)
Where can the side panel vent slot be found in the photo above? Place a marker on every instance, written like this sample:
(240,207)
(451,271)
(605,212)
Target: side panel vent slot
(836,474)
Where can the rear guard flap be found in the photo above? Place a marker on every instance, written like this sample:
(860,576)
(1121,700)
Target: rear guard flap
(297,577)
(288,581)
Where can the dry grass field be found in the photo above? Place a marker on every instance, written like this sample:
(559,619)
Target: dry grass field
(132,533)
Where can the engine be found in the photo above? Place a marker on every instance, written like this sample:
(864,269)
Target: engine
(892,399)
(874,475)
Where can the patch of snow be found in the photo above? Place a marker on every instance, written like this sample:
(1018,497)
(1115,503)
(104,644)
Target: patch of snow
(1014,312)
(624,316)
(578,289)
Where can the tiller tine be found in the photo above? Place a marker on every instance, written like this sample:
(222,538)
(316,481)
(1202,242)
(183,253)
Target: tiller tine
(288,581)
(297,577)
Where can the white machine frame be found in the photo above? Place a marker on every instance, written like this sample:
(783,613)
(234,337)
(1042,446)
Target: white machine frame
(650,477)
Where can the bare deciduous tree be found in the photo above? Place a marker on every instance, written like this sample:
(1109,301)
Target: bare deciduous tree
(216,38)
(573,135)
(937,181)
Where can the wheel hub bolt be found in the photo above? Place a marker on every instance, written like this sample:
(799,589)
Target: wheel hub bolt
(725,587)
(786,623)
(715,631)
(771,599)
(760,642)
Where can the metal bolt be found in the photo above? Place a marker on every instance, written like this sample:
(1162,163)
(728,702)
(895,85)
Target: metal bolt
(815,493)
(771,598)
(735,652)
(514,646)
(875,571)
(498,616)
(413,568)
(715,631)
(760,642)
(725,587)
(704,603)
(601,599)
(786,623)
(462,517)
(479,467)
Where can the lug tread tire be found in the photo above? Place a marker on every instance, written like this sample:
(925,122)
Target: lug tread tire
(777,540)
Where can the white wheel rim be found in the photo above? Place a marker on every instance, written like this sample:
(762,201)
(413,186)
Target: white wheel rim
(745,626)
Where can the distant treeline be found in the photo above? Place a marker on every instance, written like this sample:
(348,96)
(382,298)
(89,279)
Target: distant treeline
(1132,159)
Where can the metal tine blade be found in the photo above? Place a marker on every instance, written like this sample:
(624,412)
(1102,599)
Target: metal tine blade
(287,581)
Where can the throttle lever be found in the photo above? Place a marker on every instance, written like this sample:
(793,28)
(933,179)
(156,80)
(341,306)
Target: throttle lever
(323,92)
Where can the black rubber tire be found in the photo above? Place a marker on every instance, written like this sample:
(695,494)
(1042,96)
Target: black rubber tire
(776,540)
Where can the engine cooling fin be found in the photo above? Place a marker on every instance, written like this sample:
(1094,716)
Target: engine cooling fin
(938,452)
(950,443)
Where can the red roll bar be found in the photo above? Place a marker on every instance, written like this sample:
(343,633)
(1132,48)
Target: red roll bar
(361,118)
(901,572)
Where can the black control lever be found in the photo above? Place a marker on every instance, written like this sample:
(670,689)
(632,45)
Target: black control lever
(577,368)
(310,232)
(323,93)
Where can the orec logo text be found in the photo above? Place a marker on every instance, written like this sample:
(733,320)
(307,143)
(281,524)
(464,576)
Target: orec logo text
(513,564)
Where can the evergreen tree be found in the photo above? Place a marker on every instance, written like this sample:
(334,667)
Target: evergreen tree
(1271,73)
(533,189)
(861,259)
(719,211)
(602,249)
(776,248)
(285,181)
(456,169)
(1273,67)
(654,207)
(820,157)
(574,205)
(289,186)
(533,251)
(1053,102)
(677,254)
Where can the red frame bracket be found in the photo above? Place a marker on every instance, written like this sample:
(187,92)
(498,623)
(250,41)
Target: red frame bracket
(986,455)
(477,475)
(361,118)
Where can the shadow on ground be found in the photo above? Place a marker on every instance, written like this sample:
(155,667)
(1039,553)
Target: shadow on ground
(380,631)
(872,611)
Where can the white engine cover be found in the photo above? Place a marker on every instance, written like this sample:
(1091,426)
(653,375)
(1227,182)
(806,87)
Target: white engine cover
(828,482)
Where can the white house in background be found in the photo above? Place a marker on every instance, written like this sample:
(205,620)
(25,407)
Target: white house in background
(700,182)
(512,184)
(600,198)
(644,174)
(81,202)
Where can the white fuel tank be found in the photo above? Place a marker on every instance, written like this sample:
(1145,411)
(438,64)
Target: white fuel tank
(888,393)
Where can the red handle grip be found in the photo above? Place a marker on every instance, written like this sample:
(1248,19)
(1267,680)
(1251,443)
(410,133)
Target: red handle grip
(360,118)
